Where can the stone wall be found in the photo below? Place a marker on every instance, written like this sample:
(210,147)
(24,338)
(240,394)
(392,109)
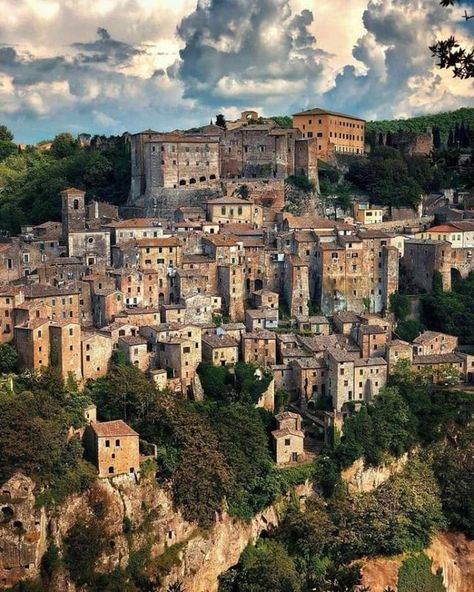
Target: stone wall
(165,201)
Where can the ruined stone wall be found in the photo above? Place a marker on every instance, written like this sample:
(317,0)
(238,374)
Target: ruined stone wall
(164,201)
(264,192)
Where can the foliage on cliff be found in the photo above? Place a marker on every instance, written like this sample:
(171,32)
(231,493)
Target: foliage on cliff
(415,574)
(30,181)
(444,121)
(321,542)
(452,312)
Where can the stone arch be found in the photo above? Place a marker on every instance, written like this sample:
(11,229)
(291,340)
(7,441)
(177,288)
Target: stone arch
(7,513)
(455,275)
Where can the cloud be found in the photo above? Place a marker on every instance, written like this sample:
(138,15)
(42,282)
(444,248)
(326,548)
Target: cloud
(106,66)
(398,75)
(252,46)
(106,50)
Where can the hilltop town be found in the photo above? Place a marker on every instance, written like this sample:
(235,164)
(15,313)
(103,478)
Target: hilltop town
(232,261)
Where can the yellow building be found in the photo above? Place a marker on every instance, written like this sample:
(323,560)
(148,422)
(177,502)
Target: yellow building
(443,232)
(233,210)
(336,132)
(367,214)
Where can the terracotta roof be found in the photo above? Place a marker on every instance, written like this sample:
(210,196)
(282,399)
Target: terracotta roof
(219,341)
(158,242)
(133,340)
(43,290)
(287,432)
(370,362)
(229,199)
(449,358)
(221,240)
(112,429)
(318,111)
(428,335)
(138,223)
(442,228)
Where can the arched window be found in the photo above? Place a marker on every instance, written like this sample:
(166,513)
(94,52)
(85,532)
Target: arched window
(182,182)
(212,177)
(202,179)
(192,181)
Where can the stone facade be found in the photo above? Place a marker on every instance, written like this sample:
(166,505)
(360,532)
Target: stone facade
(334,132)
(113,447)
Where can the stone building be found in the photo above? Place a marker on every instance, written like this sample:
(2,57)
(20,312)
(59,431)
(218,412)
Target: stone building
(434,342)
(73,212)
(365,214)
(353,379)
(32,344)
(113,447)
(65,348)
(180,357)
(354,272)
(220,350)
(334,132)
(96,351)
(259,347)
(398,350)
(10,298)
(296,285)
(171,160)
(62,302)
(288,438)
(135,350)
(261,318)
(233,210)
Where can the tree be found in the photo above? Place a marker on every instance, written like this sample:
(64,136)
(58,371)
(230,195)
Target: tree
(416,573)
(220,121)
(7,149)
(269,568)
(451,55)
(5,134)
(64,145)
(83,545)
(8,358)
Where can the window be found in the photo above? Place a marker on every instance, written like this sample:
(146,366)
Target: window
(107,443)
(287,441)
(111,470)
(117,443)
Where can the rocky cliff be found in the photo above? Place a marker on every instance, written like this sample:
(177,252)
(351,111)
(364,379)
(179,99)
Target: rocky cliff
(135,516)
(451,552)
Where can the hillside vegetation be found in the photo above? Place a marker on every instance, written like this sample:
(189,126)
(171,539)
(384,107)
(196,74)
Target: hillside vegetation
(445,122)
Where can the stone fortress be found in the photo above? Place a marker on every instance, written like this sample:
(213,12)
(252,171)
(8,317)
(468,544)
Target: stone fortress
(180,168)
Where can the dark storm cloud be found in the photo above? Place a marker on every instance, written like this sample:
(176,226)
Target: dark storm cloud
(395,54)
(232,49)
(105,49)
(28,70)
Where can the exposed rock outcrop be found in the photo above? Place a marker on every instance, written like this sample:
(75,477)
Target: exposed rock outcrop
(360,478)
(150,519)
(453,553)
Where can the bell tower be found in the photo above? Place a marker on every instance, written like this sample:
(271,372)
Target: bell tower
(73,211)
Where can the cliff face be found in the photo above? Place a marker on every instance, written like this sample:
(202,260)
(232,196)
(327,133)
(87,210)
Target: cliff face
(451,552)
(360,478)
(198,557)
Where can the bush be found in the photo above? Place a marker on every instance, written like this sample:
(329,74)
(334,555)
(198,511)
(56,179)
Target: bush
(84,543)
(415,575)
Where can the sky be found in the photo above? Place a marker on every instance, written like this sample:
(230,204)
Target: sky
(109,66)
